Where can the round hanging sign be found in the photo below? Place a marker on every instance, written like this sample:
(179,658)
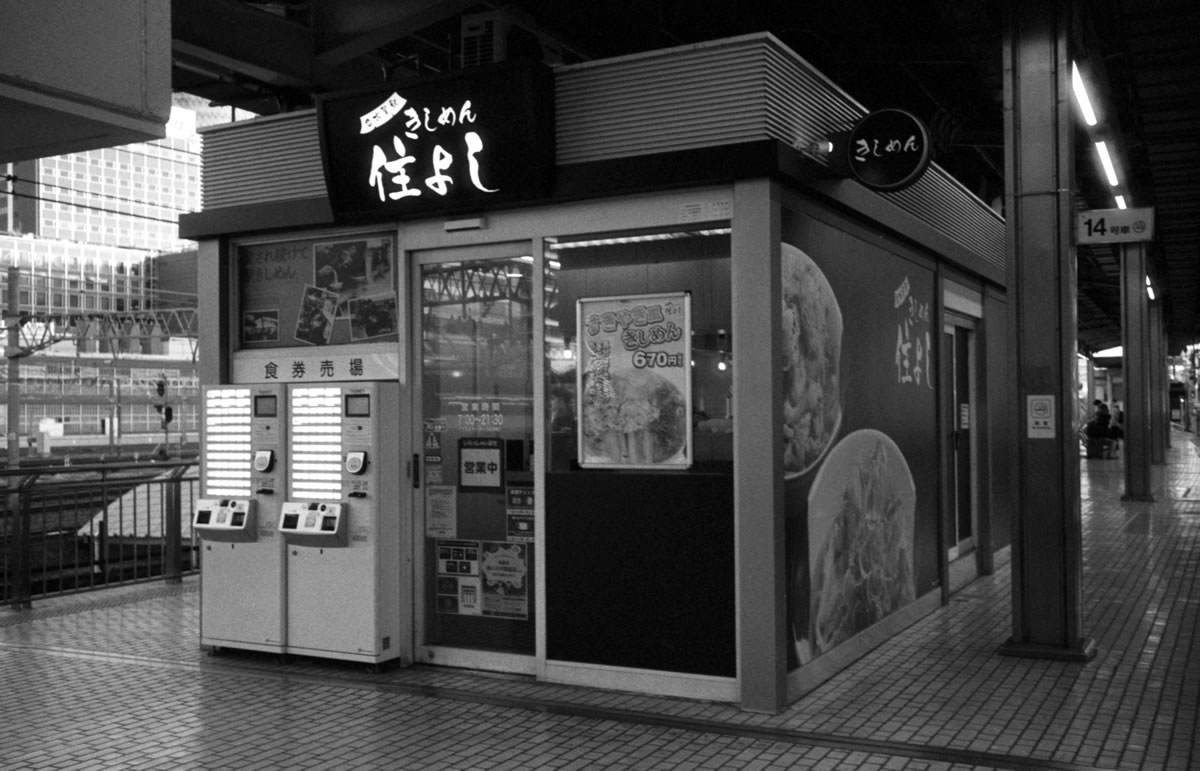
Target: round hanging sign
(888,149)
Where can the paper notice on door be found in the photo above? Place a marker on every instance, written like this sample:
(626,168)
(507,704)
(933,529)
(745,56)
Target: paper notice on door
(441,511)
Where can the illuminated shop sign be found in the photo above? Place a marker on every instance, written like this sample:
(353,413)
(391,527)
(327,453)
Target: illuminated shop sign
(468,141)
(888,150)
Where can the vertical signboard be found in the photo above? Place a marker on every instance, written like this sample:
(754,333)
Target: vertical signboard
(634,381)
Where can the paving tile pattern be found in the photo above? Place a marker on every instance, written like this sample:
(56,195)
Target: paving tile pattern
(115,679)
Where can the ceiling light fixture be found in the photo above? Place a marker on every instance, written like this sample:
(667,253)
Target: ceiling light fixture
(1107,162)
(1081,96)
(1121,202)
(640,238)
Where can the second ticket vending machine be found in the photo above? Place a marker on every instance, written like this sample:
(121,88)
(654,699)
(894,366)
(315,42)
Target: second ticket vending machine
(342,523)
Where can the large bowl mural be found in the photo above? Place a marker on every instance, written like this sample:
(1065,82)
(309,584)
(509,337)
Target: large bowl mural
(861,519)
(812,350)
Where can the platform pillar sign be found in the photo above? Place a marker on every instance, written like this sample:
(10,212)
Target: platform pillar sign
(1114,226)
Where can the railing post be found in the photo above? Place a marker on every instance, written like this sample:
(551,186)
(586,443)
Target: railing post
(173,529)
(101,555)
(20,580)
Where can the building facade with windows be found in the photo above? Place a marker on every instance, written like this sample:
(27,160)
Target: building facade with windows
(83,235)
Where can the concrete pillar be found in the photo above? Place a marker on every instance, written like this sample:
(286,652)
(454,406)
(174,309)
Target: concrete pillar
(1160,389)
(1039,161)
(758,475)
(1135,339)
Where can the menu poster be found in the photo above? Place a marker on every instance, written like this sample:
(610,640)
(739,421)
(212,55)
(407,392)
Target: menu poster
(634,381)
(318,292)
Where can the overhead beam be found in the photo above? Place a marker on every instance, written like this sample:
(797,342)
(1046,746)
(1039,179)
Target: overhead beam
(352,28)
(230,36)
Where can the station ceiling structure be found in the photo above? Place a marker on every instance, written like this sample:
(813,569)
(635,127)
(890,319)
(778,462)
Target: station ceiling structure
(939,59)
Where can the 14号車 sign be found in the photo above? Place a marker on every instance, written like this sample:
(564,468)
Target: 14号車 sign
(1113,226)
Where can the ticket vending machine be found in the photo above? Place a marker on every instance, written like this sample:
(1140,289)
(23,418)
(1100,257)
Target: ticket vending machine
(342,523)
(242,573)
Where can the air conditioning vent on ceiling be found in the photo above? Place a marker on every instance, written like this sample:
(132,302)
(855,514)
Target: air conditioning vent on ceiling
(496,37)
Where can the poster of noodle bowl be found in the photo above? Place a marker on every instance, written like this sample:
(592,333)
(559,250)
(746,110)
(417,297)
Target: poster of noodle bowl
(634,381)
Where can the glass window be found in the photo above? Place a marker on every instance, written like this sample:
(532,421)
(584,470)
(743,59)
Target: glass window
(629,266)
(622,395)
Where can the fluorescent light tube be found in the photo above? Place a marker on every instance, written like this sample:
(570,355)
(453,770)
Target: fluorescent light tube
(1106,162)
(1081,96)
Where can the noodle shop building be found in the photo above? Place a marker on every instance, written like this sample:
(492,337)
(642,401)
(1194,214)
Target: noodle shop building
(675,373)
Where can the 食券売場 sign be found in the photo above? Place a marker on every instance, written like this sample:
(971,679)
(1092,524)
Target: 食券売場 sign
(888,150)
(465,141)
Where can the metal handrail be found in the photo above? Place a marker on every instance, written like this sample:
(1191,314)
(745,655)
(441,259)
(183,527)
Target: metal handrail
(74,528)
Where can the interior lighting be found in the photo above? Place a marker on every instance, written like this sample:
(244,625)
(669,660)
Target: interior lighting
(1149,288)
(1121,202)
(642,238)
(1106,162)
(1081,96)
(721,365)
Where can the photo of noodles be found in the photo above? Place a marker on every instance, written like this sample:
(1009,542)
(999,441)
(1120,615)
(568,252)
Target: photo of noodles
(634,417)
(812,347)
(861,522)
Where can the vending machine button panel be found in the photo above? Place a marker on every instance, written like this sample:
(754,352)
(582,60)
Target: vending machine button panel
(225,519)
(314,524)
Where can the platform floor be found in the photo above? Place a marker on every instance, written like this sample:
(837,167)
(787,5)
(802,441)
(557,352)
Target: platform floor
(115,679)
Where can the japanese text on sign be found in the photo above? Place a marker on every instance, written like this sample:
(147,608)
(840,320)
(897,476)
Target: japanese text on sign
(1108,226)
(270,367)
(634,381)
(913,339)
(390,176)
(865,149)
(480,463)
(641,326)
(324,369)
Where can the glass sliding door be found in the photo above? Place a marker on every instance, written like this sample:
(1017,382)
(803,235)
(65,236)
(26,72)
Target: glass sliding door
(475,376)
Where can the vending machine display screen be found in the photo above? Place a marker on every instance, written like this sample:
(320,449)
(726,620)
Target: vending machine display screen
(266,406)
(358,405)
(227,439)
(315,441)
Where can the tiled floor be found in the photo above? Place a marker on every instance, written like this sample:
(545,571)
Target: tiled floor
(115,679)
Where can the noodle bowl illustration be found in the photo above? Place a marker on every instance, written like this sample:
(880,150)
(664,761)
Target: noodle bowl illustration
(812,349)
(861,515)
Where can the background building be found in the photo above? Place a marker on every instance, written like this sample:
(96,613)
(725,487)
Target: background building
(106,286)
